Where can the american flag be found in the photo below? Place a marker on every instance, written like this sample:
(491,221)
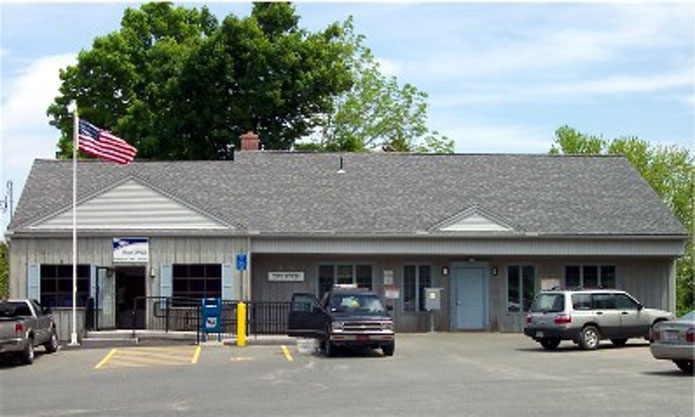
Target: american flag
(104,145)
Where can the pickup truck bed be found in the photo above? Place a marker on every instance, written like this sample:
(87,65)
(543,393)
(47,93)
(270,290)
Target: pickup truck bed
(24,324)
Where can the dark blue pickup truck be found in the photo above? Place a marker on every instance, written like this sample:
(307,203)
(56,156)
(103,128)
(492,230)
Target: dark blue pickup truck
(343,317)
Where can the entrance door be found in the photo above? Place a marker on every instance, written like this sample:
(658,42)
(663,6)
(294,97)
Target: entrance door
(106,294)
(130,284)
(470,292)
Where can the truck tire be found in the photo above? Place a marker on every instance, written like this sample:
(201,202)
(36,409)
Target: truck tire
(619,342)
(388,349)
(589,338)
(550,344)
(329,348)
(52,344)
(685,366)
(27,355)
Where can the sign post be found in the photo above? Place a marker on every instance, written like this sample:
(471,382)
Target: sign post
(241,264)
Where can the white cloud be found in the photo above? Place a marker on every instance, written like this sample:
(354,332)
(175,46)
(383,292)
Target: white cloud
(572,40)
(24,130)
(32,92)
(610,85)
(498,138)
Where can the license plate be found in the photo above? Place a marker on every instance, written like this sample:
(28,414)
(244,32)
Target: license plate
(539,334)
(362,337)
(670,336)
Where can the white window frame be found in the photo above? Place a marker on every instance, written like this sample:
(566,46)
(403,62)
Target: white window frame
(520,287)
(600,277)
(417,286)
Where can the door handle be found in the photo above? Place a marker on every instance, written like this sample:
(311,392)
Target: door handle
(624,313)
(458,303)
(598,313)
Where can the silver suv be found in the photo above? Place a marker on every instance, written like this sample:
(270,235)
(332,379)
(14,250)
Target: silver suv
(587,316)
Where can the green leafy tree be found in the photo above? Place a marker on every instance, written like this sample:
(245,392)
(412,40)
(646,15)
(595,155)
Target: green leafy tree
(179,85)
(376,113)
(4,271)
(670,170)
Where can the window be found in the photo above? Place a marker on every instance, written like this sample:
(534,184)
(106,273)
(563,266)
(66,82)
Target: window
(581,301)
(603,301)
(521,286)
(329,275)
(415,279)
(623,302)
(56,285)
(590,276)
(197,280)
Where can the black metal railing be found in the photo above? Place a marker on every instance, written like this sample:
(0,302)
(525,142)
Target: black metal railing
(262,317)
(167,314)
(184,314)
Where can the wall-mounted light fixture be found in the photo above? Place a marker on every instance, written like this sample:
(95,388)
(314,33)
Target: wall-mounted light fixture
(494,271)
(471,260)
(153,272)
(445,271)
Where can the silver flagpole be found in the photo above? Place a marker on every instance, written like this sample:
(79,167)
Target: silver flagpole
(75,145)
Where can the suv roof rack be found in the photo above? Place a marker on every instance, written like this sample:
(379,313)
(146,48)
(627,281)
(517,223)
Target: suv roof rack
(581,288)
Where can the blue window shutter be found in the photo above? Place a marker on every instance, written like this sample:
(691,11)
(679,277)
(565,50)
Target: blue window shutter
(92,280)
(227,281)
(165,280)
(34,282)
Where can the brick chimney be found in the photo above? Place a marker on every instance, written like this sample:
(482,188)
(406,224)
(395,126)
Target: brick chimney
(249,141)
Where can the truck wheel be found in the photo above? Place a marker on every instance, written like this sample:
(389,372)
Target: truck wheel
(550,344)
(619,342)
(27,356)
(52,344)
(589,338)
(388,349)
(329,347)
(685,366)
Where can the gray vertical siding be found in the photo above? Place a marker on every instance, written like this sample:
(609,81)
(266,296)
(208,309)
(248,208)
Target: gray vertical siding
(98,251)
(651,280)
(646,279)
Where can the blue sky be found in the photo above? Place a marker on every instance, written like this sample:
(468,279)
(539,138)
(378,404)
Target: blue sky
(500,77)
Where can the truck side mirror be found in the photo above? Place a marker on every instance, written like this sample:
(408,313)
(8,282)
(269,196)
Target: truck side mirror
(389,308)
(47,310)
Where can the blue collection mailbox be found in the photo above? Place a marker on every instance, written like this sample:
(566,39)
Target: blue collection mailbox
(211,317)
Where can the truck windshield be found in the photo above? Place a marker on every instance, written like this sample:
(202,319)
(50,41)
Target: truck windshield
(356,303)
(14,309)
(549,303)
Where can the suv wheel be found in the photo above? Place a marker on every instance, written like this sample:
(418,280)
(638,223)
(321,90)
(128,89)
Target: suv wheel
(27,355)
(685,366)
(52,344)
(388,349)
(619,342)
(550,344)
(589,338)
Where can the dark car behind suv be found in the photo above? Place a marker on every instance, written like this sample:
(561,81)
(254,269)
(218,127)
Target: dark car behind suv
(343,317)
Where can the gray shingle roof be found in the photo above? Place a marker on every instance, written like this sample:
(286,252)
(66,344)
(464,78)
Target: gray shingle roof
(281,192)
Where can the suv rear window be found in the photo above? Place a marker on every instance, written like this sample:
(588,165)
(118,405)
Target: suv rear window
(549,303)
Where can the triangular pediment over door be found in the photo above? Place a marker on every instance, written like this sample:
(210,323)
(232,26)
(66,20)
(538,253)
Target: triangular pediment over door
(474,219)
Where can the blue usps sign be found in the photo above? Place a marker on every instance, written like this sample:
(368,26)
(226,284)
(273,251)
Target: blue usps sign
(241,262)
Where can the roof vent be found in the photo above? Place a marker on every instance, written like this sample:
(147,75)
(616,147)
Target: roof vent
(340,170)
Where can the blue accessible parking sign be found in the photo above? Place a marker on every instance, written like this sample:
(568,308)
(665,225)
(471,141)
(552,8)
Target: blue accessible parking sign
(241,262)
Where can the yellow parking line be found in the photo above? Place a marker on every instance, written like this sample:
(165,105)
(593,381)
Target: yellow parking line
(287,353)
(196,355)
(106,358)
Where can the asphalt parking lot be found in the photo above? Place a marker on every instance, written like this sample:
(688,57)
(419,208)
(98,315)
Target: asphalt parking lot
(468,374)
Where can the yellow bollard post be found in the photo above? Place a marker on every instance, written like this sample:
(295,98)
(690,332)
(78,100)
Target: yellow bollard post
(241,324)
